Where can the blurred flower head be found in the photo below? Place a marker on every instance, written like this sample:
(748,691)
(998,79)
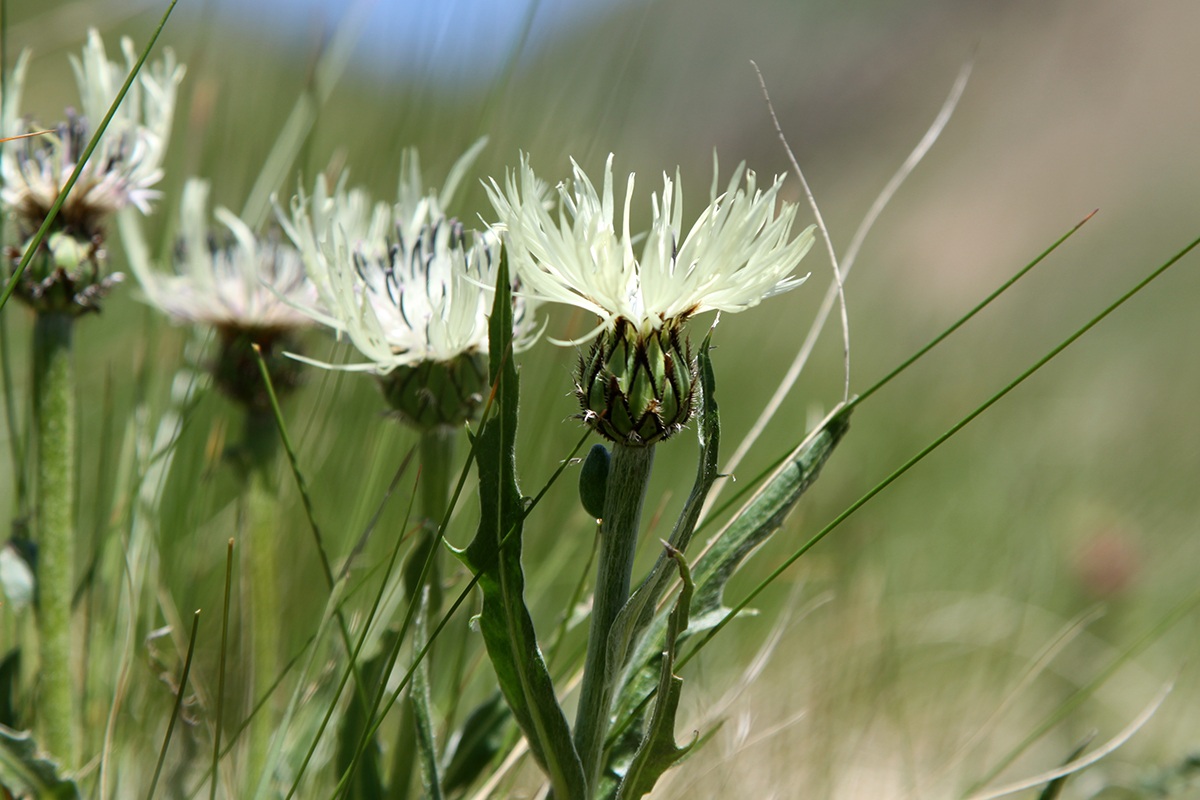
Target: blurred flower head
(637,384)
(244,286)
(404,282)
(125,165)
(230,279)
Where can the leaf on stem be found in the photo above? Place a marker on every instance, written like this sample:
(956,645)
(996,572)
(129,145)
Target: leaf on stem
(757,520)
(763,514)
(658,751)
(495,554)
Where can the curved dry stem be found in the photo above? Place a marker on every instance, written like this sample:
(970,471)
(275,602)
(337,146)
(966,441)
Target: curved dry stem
(835,288)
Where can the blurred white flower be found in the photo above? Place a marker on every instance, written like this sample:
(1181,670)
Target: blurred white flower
(233,280)
(404,282)
(738,251)
(125,165)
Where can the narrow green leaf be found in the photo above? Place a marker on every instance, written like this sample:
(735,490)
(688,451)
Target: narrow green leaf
(419,696)
(658,751)
(495,554)
(23,769)
(183,684)
(764,513)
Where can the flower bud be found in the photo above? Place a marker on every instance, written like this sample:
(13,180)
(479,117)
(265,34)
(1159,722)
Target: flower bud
(65,276)
(637,389)
(593,480)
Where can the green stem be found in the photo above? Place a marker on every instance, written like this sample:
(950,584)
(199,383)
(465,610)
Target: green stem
(437,472)
(54,417)
(259,444)
(628,477)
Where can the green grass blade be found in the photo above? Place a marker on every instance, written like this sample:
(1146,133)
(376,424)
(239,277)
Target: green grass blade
(908,362)
(218,724)
(984,303)
(358,756)
(371,616)
(1081,694)
(331,582)
(183,682)
(1054,788)
(232,739)
(936,443)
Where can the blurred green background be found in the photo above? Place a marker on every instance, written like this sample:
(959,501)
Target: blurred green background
(929,604)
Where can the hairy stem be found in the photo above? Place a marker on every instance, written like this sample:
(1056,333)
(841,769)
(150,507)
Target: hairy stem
(628,477)
(54,417)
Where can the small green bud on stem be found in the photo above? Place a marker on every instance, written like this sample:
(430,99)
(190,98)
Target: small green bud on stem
(593,480)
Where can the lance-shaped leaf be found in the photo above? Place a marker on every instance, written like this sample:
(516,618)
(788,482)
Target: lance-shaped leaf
(764,513)
(658,751)
(495,554)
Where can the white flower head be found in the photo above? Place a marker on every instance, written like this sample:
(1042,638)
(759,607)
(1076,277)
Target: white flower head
(737,252)
(126,164)
(231,279)
(404,282)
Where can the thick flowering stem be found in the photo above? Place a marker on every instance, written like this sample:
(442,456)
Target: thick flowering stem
(628,477)
(260,509)
(437,456)
(54,414)
(437,462)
